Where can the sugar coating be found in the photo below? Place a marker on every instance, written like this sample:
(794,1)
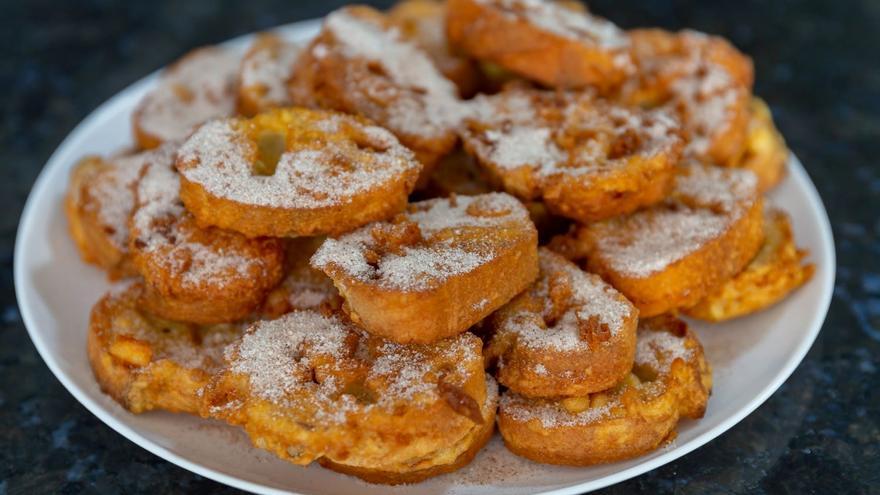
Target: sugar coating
(655,348)
(520,128)
(268,67)
(199,87)
(424,103)
(563,21)
(157,230)
(113,190)
(590,297)
(704,203)
(219,158)
(279,356)
(439,256)
(658,349)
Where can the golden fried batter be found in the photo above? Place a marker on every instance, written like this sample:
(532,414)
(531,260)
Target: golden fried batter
(424,22)
(303,287)
(670,380)
(263,75)
(194,274)
(436,270)
(294,172)
(586,159)
(198,87)
(312,386)
(570,333)
(773,274)
(676,253)
(548,42)
(361,64)
(144,362)
(99,202)
(704,79)
(766,153)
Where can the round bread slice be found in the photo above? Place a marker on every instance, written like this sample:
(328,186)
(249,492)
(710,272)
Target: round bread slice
(568,334)
(670,380)
(435,270)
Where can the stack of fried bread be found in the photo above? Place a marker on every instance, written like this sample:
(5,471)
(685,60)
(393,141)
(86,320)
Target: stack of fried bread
(369,250)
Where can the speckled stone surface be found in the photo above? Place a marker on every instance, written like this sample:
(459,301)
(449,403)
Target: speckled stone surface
(817,64)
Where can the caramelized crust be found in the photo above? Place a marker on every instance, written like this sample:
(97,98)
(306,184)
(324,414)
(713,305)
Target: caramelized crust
(294,172)
(548,42)
(313,386)
(568,334)
(674,254)
(670,380)
(144,362)
(587,159)
(436,270)
(770,277)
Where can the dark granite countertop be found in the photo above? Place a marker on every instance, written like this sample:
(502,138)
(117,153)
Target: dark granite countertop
(817,65)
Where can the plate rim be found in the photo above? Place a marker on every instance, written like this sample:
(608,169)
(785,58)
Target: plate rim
(21,280)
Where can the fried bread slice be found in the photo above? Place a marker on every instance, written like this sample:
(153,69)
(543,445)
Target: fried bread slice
(776,271)
(294,172)
(569,334)
(669,381)
(312,386)
(436,270)
(263,74)
(548,42)
(766,153)
(674,254)
(144,362)
(587,159)
(198,87)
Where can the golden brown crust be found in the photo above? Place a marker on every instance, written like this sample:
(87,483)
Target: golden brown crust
(671,379)
(586,159)
(263,74)
(672,255)
(547,42)
(776,271)
(194,274)
(325,173)
(568,334)
(424,22)
(199,86)
(147,363)
(455,259)
(358,64)
(93,193)
(765,151)
(310,386)
(705,79)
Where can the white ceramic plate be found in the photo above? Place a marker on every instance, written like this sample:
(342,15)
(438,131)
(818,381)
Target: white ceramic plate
(751,356)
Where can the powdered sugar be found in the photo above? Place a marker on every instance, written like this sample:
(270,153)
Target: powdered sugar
(303,356)
(164,230)
(522,128)
(199,87)
(705,202)
(267,67)
(426,102)
(219,158)
(657,349)
(438,255)
(590,297)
